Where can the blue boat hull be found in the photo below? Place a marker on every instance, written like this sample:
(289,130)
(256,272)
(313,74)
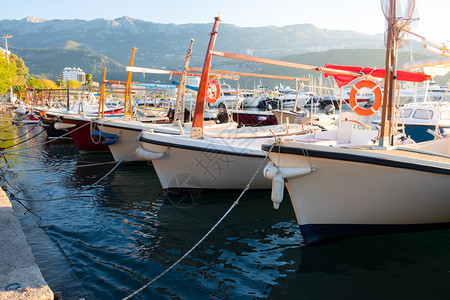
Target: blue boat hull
(419,132)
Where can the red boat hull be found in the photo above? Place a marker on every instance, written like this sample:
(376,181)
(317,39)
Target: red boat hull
(252,118)
(82,138)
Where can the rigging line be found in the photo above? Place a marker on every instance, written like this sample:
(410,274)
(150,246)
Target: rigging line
(95,183)
(4,140)
(235,203)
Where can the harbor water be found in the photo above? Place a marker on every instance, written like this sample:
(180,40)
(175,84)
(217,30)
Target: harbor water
(112,238)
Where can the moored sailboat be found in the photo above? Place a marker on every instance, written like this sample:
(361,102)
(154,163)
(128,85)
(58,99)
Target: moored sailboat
(373,189)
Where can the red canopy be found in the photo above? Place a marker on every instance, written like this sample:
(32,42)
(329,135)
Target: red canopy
(342,80)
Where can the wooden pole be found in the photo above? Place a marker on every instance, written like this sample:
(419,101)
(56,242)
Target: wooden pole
(101,104)
(197,123)
(389,81)
(128,109)
(219,72)
(179,107)
(68,99)
(281,63)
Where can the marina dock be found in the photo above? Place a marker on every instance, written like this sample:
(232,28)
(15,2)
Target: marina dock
(20,277)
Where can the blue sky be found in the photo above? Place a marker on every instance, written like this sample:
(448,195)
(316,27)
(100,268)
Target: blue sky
(358,15)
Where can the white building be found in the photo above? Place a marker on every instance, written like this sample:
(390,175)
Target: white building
(3,52)
(73,74)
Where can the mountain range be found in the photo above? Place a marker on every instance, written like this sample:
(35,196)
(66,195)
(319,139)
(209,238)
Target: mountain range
(47,46)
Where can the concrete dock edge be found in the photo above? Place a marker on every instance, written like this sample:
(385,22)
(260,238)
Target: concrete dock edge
(20,277)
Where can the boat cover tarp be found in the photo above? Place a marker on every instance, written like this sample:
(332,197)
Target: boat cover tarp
(191,87)
(157,86)
(342,80)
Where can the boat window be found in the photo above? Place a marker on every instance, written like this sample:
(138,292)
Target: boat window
(406,113)
(423,114)
(445,115)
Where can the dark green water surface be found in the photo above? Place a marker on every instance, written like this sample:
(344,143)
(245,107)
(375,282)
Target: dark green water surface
(115,237)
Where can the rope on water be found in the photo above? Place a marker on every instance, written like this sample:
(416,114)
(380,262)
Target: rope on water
(1,148)
(4,140)
(51,140)
(12,124)
(235,203)
(92,185)
(86,162)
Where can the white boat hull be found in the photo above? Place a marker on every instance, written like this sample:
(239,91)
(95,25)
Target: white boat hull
(185,167)
(352,193)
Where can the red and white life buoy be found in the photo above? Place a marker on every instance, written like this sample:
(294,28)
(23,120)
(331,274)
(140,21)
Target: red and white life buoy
(378,98)
(212,91)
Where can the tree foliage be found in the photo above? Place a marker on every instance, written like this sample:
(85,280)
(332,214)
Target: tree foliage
(60,83)
(41,83)
(22,71)
(7,74)
(73,84)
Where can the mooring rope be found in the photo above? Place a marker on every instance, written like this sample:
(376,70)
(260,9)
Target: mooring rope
(235,203)
(12,124)
(5,148)
(89,186)
(4,140)
(50,140)
(86,162)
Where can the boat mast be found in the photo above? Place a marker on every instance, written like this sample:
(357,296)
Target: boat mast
(101,104)
(386,131)
(197,123)
(179,110)
(128,109)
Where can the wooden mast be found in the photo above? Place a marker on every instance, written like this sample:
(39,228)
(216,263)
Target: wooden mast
(179,109)
(128,110)
(101,104)
(386,131)
(197,123)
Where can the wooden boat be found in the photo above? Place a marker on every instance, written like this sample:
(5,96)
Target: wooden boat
(210,160)
(341,188)
(338,192)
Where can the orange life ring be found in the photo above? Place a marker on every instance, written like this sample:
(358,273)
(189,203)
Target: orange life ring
(212,91)
(378,98)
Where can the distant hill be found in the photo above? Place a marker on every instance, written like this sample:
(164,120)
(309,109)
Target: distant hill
(51,62)
(47,46)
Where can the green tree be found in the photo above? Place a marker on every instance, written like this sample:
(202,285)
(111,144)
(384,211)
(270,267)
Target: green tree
(7,74)
(89,80)
(41,83)
(48,84)
(35,83)
(60,83)
(22,71)
(73,84)
(19,89)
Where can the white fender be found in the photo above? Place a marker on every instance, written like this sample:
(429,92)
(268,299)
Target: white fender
(277,190)
(143,154)
(278,175)
(270,171)
(60,125)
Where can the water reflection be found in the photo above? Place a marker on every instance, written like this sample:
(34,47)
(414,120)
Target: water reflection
(124,232)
